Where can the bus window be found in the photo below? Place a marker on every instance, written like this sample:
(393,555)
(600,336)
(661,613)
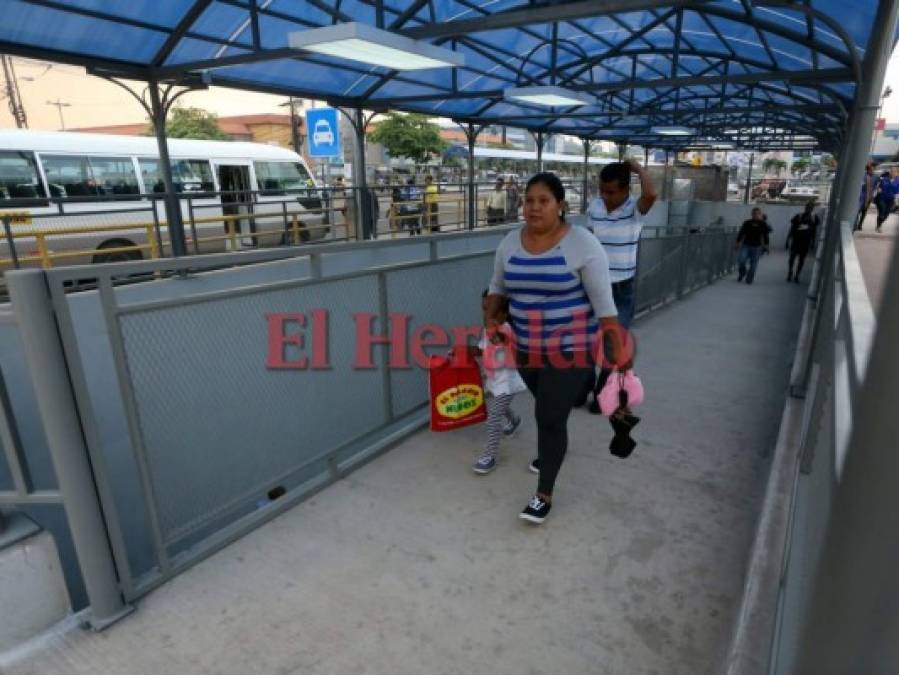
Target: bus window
(279,178)
(114,175)
(68,176)
(81,176)
(19,179)
(188,175)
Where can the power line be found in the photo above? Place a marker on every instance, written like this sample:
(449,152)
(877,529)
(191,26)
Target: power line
(60,104)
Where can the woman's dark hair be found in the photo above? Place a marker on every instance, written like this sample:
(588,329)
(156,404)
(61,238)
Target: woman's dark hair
(552,183)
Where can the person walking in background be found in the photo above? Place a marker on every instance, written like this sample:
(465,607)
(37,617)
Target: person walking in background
(431,204)
(616,219)
(885,199)
(411,207)
(801,238)
(396,219)
(496,204)
(866,195)
(556,280)
(513,199)
(752,241)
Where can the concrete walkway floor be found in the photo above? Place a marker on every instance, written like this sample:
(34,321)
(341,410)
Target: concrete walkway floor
(875,253)
(414,565)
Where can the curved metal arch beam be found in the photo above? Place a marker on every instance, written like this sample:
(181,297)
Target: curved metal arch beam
(585,9)
(771,116)
(849,58)
(675,144)
(837,105)
(710,130)
(791,126)
(762,86)
(793,112)
(764,66)
(615,88)
(737,115)
(838,30)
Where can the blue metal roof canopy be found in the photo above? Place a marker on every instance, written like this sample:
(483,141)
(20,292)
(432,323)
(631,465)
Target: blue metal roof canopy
(755,73)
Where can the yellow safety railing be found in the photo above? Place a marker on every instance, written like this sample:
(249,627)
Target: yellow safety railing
(398,221)
(46,256)
(154,248)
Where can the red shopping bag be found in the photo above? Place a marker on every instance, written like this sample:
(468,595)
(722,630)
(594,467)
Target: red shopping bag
(456,391)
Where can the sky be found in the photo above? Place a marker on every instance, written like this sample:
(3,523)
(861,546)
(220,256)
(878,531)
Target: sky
(96,102)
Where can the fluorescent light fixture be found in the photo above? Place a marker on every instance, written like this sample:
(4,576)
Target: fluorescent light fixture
(549,96)
(673,131)
(375,47)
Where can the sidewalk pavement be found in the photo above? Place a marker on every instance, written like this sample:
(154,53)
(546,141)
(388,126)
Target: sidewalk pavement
(415,565)
(875,252)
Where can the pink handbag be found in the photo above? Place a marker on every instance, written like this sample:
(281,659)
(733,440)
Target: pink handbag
(610,396)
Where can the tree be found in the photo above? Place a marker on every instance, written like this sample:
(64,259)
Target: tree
(800,166)
(774,165)
(411,136)
(192,123)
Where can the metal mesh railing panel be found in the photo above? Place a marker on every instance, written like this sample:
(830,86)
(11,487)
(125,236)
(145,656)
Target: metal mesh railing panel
(447,294)
(217,426)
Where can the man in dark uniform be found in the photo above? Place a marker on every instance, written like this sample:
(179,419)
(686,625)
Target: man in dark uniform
(803,228)
(752,240)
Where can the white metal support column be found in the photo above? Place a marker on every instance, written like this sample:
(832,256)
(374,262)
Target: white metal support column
(586,176)
(539,139)
(62,426)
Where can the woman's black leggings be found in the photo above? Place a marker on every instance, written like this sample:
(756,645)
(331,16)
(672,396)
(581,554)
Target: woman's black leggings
(555,391)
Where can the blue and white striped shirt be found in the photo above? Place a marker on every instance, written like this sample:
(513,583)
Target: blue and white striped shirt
(556,297)
(619,233)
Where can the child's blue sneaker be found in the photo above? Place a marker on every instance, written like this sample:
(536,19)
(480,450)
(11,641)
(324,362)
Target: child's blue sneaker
(485,464)
(513,427)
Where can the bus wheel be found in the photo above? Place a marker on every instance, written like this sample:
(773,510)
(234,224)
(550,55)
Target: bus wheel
(116,256)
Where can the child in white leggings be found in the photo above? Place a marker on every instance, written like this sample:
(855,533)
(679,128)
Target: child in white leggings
(501,382)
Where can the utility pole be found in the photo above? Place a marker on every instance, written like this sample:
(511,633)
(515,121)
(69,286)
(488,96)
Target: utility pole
(60,104)
(16,107)
(296,138)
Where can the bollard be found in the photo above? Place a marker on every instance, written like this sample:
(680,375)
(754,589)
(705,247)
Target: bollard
(9,239)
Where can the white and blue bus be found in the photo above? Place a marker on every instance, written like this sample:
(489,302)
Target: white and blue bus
(76,189)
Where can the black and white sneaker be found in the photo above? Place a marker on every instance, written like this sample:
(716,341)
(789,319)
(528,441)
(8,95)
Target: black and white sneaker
(534,467)
(536,510)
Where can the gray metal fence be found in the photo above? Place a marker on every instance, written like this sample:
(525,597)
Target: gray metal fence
(192,441)
(827,380)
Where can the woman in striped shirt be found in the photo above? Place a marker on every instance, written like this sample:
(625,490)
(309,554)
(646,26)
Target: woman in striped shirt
(556,278)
